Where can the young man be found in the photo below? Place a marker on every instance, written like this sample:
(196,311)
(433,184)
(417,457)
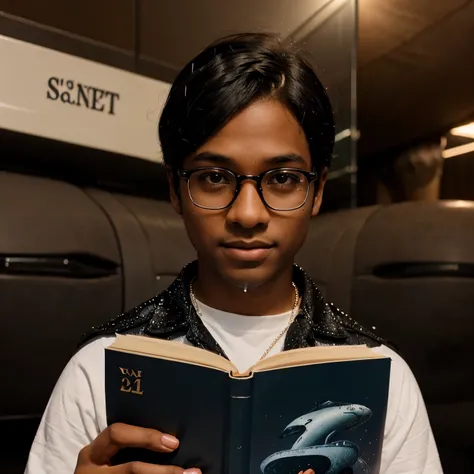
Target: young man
(247,134)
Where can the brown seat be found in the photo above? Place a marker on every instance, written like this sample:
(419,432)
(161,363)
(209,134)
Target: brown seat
(70,258)
(408,271)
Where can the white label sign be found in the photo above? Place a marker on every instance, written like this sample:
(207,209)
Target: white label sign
(59,96)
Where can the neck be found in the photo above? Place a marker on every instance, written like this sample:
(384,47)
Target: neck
(276,296)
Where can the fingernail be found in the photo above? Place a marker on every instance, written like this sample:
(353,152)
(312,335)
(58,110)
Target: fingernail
(169,441)
(192,471)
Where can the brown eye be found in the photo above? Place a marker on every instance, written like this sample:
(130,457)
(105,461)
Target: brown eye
(214,178)
(283,179)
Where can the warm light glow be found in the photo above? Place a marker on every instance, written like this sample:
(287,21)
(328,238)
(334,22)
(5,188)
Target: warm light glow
(458,150)
(466,130)
(459,204)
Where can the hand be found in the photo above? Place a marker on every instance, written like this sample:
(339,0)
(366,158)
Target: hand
(95,458)
(308,471)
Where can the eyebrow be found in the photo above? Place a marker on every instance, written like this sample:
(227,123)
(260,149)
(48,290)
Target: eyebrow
(286,159)
(219,159)
(213,158)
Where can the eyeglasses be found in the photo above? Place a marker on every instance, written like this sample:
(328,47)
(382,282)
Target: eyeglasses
(281,189)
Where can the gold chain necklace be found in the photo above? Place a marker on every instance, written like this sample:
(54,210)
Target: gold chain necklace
(294,313)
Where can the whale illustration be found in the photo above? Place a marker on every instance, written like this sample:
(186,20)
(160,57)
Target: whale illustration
(319,426)
(314,447)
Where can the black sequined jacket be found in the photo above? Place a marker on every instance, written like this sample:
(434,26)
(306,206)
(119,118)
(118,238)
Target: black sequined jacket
(171,314)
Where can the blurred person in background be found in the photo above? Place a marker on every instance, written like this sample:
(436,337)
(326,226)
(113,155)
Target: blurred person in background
(414,174)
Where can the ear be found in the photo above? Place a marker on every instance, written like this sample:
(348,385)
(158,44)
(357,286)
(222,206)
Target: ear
(174,196)
(318,194)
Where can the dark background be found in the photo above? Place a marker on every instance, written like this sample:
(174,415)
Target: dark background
(414,73)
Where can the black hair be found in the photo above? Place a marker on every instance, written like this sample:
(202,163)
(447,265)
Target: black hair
(227,77)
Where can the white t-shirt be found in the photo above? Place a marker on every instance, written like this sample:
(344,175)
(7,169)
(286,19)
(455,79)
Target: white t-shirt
(76,411)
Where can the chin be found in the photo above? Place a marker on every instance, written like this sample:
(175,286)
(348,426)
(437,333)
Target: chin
(252,274)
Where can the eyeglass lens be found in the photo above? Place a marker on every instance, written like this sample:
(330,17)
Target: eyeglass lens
(281,189)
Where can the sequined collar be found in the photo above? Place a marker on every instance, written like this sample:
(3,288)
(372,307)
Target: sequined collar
(171,314)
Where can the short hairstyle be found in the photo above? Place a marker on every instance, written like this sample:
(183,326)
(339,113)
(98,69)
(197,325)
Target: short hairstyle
(227,77)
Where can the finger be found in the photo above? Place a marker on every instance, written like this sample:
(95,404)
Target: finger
(309,471)
(119,435)
(145,468)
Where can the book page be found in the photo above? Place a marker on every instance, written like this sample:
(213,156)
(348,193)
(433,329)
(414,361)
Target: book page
(315,355)
(193,355)
(171,350)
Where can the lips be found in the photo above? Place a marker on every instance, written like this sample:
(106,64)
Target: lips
(247,250)
(248,245)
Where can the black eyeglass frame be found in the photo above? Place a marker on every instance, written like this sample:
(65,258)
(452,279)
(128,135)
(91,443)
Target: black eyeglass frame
(310,176)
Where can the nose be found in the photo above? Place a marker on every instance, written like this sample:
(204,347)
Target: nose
(248,210)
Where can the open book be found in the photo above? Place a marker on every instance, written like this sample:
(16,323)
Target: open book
(322,407)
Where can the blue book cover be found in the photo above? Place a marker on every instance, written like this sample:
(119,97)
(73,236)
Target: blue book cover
(328,417)
(322,408)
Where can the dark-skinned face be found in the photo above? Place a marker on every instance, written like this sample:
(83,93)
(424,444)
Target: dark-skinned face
(262,137)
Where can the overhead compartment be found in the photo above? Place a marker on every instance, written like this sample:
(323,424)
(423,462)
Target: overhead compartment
(54,95)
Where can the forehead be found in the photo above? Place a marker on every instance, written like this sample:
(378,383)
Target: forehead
(263,130)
